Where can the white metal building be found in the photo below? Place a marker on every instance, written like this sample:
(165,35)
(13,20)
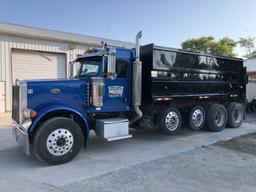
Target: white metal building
(35,53)
(251,86)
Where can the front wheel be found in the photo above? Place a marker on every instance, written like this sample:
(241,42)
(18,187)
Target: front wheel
(58,140)
(170,121)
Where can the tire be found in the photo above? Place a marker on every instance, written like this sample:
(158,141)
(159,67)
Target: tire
(196,118)
(58,140)
(216,117)
(253,107)
(235,114)
(248,108)
(170,121)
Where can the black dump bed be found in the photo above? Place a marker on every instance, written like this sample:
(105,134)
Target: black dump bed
(168,72)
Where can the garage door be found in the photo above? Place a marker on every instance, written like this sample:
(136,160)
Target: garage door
(37,65)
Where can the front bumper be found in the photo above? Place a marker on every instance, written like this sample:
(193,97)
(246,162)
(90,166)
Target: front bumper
(21,137)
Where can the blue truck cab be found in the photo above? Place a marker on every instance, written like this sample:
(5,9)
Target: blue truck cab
(52,118)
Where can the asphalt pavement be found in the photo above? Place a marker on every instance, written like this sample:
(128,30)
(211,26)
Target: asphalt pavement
(147,162)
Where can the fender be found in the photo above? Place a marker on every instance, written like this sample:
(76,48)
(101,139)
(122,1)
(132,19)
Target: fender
(47,110)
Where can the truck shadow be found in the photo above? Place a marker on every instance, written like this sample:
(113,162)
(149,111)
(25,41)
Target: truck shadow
(10,153)
(140,138)
(14,157)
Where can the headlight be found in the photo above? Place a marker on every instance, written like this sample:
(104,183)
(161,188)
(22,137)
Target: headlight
(29,114)
(26,113)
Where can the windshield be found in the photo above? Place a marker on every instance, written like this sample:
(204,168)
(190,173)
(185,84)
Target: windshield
(90,67)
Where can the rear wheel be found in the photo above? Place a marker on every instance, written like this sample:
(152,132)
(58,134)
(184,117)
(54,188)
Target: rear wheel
(253,107)
(216,117)
(170,121)
(197,118)
(235,114)
(248,108)
(58,140)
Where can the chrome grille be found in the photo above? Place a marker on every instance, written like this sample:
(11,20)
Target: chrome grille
(15,103)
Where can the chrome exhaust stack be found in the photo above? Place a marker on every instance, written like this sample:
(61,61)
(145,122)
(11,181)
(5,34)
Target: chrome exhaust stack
(136,82)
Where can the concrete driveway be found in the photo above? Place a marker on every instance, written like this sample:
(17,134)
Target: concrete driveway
(146,162)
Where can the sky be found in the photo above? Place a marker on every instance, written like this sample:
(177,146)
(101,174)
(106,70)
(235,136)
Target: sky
(163,22)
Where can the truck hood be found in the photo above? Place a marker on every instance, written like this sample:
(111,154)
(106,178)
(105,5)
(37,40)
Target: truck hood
(46,80)
(51,81)
(44,93)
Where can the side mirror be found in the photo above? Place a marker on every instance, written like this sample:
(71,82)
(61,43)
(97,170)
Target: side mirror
(111,69)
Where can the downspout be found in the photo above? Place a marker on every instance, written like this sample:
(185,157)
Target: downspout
(136,82)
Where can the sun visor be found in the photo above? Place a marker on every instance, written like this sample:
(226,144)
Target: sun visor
(96,53)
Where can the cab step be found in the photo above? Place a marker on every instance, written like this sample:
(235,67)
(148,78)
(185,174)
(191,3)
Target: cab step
(119,137)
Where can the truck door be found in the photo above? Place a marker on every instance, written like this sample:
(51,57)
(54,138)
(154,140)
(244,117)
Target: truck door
(116,94)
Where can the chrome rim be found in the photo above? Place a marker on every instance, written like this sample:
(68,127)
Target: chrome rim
(197,117)
(220,118)
(172,121)
(60,142)
(237,116)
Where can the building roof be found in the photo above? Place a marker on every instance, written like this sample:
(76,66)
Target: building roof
(47,34)
(250,64)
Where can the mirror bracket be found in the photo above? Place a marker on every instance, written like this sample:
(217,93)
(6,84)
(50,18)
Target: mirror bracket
(111,65)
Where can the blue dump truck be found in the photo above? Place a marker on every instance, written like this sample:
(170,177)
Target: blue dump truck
(148,87)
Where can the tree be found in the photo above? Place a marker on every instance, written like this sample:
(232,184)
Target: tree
(202,44)
(208,44)
(249,44)
(224,46)
(252,55)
